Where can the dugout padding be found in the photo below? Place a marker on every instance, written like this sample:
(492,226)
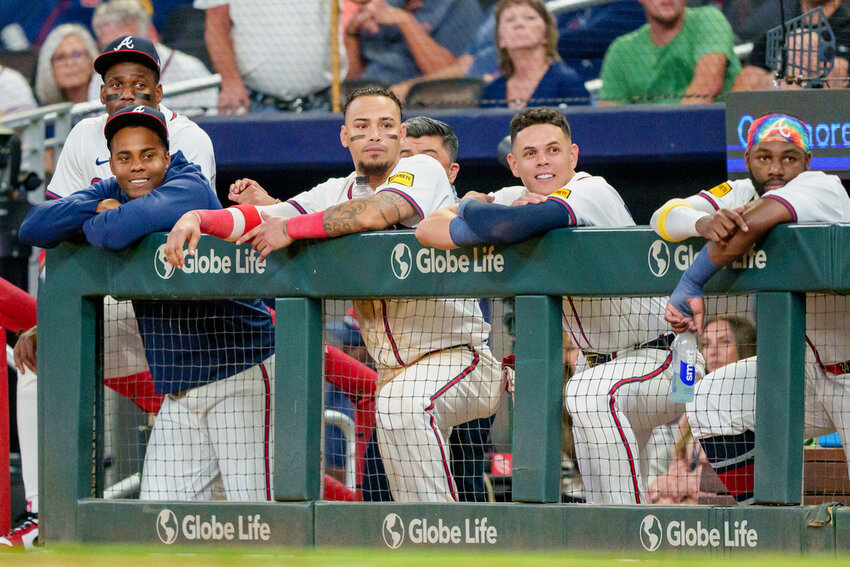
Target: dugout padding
(589,262)
(197,523)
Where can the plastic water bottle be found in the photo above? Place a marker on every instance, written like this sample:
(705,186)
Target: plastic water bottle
(684,360)
(361,187)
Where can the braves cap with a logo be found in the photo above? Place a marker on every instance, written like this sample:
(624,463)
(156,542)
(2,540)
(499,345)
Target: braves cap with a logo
(128,48)
(136,116)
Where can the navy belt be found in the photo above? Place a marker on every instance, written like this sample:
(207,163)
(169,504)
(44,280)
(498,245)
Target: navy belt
(596,358)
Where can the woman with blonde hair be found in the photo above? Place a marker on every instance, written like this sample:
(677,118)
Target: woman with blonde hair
(64,68)
(531,72)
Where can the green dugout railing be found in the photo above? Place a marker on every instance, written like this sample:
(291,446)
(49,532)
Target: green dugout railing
(591,262)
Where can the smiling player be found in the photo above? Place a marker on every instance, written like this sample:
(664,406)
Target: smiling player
(130,69)
(211,359)
(618,394)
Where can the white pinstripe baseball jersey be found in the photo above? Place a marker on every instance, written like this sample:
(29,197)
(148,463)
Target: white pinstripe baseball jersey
(397,332)
(600,324)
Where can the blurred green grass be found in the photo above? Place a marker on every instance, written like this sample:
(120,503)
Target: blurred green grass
(158,556)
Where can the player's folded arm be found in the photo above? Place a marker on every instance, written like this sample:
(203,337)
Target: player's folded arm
(157,211)
(499,224)
(676,220)
(377,212)
(435,231)
(50,223)
(760,217)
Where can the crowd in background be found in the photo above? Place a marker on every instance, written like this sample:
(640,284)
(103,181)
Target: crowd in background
(277,56)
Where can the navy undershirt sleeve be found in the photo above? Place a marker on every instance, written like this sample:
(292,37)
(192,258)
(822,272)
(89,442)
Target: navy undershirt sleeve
(500,224)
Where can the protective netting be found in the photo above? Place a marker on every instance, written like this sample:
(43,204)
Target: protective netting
(427,428)
(205,370)
(288,55)
(437,427)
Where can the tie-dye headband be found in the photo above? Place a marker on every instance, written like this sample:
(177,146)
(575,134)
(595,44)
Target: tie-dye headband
(778,128)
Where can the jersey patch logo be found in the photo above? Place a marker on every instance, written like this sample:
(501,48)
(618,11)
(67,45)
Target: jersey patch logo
(720,190)
(97,161)
(402,178)
(562,193)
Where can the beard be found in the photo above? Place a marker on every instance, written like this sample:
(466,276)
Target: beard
(759,185)
(371,169)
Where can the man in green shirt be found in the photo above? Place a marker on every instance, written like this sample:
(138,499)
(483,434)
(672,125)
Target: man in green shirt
(681,55)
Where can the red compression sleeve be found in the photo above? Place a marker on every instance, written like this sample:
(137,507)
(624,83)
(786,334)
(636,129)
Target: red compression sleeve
(307,226)
(348,374)
(217,223)
(17,307)
(230,223)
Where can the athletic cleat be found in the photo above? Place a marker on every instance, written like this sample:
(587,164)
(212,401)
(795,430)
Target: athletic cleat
(24,535)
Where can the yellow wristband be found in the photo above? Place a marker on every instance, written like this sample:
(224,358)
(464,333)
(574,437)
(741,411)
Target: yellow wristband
(662,217)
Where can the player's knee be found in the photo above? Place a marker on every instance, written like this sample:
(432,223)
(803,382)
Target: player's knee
(27,380)
(399,414)
(579,400)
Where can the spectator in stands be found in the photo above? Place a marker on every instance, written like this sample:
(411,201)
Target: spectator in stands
(726,339)
(757,74)
(271,55)
(751,19)
(479,61)
(681,55)
(15,93)
(65,65)
(531,71)
(585,35)
(117,18)
(389,41)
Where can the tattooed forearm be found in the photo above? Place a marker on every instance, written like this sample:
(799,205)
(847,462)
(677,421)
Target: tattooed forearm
(377,212)
(393,208)
(345,218)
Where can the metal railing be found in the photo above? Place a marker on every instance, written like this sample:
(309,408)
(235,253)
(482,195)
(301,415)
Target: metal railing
(346,425)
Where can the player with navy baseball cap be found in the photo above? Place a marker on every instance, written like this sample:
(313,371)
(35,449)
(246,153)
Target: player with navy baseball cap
(136,116)
(130,70)
(215,430)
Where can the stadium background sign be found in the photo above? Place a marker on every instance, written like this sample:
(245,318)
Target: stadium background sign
(826,112)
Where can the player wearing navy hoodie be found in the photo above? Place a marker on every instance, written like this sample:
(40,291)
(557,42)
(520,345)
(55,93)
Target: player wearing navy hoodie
(213,428)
